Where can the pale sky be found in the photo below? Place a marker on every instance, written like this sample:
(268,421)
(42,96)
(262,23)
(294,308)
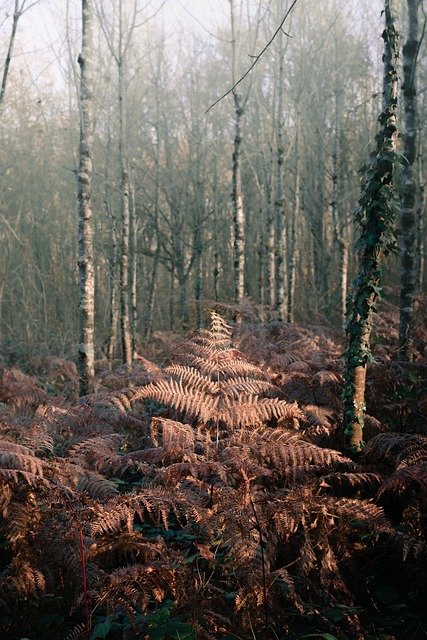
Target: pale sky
(41,32)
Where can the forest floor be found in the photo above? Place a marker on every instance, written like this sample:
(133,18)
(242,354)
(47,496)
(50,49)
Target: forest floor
(205,493)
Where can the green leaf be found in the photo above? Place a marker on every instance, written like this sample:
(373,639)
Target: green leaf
(159,617)
(102,629)
(156,633)
(180,630)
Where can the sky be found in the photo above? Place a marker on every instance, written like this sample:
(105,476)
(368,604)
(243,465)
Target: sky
(43,23)
(41,29)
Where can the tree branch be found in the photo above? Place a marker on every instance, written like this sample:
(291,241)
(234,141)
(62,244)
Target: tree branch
(256,58)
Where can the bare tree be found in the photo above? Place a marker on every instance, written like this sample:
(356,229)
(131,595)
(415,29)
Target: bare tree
(281,270)
(119,41)
(236,190)
(296,212)
(86,229)
(19,9)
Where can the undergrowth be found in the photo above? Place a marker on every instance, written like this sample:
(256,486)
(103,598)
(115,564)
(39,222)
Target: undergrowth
(209,498)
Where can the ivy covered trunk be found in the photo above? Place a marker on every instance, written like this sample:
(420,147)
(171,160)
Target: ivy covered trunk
(409,193)
(86,356)
(376,217)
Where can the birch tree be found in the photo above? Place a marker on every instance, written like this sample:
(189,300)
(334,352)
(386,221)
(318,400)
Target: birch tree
(236,189)
(119,37)
(85,226)
(281,270)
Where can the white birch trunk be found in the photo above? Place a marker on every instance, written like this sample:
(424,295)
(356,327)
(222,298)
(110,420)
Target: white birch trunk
(85,225)
(281,231)
(238,212)
(125,215)
(295,217)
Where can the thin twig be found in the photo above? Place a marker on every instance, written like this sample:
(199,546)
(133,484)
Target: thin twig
(256,58)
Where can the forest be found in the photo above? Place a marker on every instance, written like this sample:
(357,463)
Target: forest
(213,320)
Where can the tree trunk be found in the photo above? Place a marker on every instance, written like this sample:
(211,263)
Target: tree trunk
(419,269)
(198,242)
(270,260)
(341,243)
(198,252)
(16,16)
(156,257)
(295,217)
(86,357)
(409,195)
(343,266)
(171,298)
(281,231)
(216,252)
(125,215)
(113,262)
(376,215)
(236,190)
(238,212)
(134,274)
(151,293)
(114,310)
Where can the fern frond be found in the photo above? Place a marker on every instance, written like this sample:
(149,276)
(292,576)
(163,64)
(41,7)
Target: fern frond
(407,546)
(412,455)
(319,417)
(191,377)
(18,517)
(391,447)
(348,482)
(95,452)
(329,378)
(136,585)
(252,411)
(237,385)
(223,366)
(407,479)
(26,580)
(191,402)
(15,447)
(172,434)
(96,486)
(149,503)
(40,443)
(220,330)
(122,548)
(365,515)
(21,462)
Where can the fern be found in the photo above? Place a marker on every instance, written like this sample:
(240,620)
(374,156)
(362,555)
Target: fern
(220,388)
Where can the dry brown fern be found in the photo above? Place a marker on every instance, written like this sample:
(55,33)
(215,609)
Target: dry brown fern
(403,493)
(220,388)
(218,504)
